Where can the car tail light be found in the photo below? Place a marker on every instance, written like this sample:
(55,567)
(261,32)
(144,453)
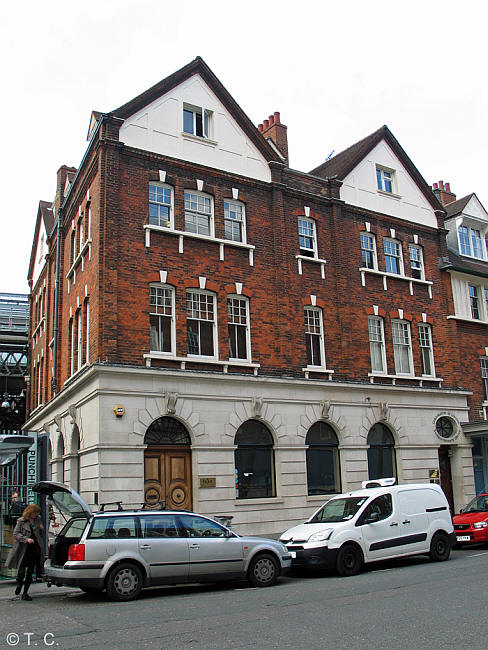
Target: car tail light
(76,553)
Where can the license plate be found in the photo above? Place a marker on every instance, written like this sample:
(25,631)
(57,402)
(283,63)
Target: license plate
(463,538)
(293,554)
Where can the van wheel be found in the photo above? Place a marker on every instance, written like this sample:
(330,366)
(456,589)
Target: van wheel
(349,560)
(124,582)
(263,571)
(440,548)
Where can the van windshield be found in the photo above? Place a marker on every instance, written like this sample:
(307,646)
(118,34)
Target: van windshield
(338,510)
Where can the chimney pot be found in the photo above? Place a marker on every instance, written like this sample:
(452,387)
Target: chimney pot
(271,120)
(277,117)
(265,124)
(434,186)
(260,127)
(448,187)
(441,185)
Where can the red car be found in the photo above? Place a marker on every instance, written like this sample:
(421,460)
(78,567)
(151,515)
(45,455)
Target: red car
(471,524)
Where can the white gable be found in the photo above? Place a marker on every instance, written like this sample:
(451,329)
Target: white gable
(475,210)
(473,216)
(40,254)
(406,201)
(158,127)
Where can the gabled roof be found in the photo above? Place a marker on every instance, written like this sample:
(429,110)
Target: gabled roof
(457,207)
(45,214)
(344,162)
(464,265)
(198,66)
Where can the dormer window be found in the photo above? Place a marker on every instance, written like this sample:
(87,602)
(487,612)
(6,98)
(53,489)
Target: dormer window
(470,242)
(197,121)
(385,179)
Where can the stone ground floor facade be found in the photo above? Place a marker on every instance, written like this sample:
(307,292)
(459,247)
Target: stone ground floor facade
(265,451)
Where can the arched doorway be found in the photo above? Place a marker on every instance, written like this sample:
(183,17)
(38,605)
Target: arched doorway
(167,465)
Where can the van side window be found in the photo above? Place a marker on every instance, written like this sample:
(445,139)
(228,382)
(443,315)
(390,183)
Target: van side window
(382,505)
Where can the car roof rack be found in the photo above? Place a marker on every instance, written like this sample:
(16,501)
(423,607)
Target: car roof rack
(379,482)
(111,503)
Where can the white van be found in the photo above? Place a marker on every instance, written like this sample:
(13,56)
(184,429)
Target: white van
(371,524)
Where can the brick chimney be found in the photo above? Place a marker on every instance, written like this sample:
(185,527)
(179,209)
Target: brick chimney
(64,173)
(274,130)
(443,192)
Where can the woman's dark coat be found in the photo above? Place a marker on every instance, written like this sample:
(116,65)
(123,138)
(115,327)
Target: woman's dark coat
(22,532)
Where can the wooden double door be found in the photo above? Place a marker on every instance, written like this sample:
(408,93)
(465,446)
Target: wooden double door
(167,477)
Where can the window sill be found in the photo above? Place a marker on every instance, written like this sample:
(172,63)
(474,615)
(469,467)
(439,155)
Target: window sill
(260,502)
(192,235)
(394,378)
(317,369)
(385,275)
(391,195)
(200,360)
(314,498)
(199,138)
(316,260)
(476,321)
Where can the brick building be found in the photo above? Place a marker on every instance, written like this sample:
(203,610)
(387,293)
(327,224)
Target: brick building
(213,329)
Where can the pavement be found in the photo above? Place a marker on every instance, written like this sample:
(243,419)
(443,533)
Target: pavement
(37,589)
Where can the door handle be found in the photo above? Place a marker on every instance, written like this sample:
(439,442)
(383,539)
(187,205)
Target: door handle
(407,521)
(394,524)
(194,545)
(144,547)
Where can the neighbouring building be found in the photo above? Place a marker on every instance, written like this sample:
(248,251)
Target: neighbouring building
(215,330)
(467,265)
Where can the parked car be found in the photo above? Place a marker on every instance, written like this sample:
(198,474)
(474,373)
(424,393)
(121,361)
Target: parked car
(122,551)
(471,524)
(371,524)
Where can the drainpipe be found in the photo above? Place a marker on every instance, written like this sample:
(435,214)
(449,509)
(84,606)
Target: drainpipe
(56,305)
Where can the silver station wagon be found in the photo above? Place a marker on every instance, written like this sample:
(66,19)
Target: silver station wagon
(122,551)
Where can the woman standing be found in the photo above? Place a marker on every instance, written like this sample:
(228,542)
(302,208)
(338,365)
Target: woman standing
(28,550)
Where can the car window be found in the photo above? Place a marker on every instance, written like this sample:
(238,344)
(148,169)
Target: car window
(478,504)
(382,505)
(74,528)
(159,526)
(201,527)
(113,528)
(342,509)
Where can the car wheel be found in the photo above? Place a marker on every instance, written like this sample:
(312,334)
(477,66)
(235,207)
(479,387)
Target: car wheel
(263,571)
(349,560)
(440,548)
(124,582)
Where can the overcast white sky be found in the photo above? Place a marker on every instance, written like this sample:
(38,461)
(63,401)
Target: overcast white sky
(336,70)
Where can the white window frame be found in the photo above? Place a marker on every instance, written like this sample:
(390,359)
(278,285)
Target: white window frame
(162,223)
(473,238)
(479,302)
(419,260)
(154,311)
(87,331)
(235,207)
(402,343)
(426,348)
(308,223)
(387,241)
(378,342)
(206,121)
(199,292)
(369,236)
(234,318)
(198,213)
(314,327)
(484,376)
(385,177)
(79,339)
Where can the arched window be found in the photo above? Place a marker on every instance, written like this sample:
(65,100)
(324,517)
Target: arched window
(167,431)
(381,452)
(254,461)
(60,460)
(323,470)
